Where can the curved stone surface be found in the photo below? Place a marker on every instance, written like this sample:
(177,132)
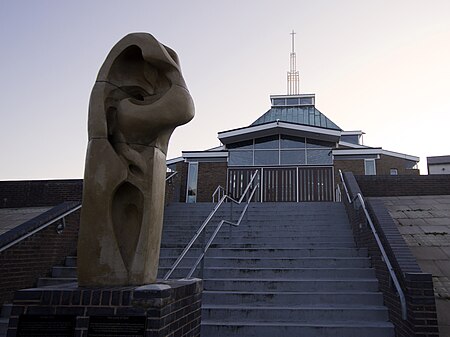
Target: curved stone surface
(139,98)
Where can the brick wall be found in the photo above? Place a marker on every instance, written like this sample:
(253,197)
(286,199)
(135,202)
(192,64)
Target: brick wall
(182,169)
(36,193)
(162,310)
(23,263)
(416,285)
(386,163)
(383,166)
(391,186)
(210,175)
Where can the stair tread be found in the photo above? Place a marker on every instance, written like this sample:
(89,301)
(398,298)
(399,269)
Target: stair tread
(295,307)
(291,323)
(346,292)
(292,280)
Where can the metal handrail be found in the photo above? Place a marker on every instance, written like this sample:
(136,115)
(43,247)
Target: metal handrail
(380,246)
(174,173)
(217,191)
(205,223)
(48,223)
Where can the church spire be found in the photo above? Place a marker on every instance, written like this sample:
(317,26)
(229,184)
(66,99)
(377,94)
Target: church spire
(293,78)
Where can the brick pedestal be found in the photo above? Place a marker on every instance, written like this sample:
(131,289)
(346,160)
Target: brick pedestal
(170,308)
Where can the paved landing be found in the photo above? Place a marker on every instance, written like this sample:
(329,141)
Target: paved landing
(12,217)
(424,222)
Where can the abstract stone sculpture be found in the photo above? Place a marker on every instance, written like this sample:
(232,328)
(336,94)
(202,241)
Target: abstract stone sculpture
(139,98)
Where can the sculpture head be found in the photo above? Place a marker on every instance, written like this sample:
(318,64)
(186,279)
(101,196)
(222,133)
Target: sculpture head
(140,96)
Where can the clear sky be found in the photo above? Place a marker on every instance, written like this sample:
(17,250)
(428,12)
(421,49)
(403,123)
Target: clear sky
(378,66)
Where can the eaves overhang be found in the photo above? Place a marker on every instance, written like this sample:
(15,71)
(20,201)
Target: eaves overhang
(353,146)
(205,154)
(373,151)
(262,130)
(174,160)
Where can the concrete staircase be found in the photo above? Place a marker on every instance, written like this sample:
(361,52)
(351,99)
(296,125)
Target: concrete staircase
(290,269)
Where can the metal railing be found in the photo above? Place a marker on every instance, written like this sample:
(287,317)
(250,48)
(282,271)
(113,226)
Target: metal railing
(219,226)
(171,175)
(219,192)
(41,227)
(380,246)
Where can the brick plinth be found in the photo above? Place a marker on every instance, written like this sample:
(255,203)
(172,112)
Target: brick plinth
(170,308)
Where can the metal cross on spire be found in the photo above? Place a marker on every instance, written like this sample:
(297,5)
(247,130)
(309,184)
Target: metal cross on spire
(293,78)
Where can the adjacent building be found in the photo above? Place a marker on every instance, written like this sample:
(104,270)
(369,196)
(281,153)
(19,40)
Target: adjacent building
(438,165)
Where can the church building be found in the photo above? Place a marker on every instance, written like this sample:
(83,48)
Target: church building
(297,150)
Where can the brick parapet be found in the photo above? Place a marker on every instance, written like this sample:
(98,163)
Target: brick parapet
(36,193)
(417,286)
(171,308)
(395,186)
(24,262)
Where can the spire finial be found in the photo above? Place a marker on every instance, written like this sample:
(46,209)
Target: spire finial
(293,78)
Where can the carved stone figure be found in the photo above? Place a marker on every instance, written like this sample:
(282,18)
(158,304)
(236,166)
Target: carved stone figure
(139,98)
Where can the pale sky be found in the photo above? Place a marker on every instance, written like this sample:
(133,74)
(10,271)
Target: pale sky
(382,67)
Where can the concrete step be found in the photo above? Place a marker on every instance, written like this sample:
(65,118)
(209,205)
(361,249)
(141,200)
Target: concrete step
(53,281)
(302,285)
(226,232)
(256,214)
(346,239)
(305,245)
(64,272)
(6,310)
(285,225)
(283,298)
(283,273)
(302,313)
(259,219)
(70,261)
(224,328)
(269,251)
(269,262)
(3,326)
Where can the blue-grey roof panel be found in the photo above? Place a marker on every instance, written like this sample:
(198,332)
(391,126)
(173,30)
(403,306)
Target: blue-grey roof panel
(305,115)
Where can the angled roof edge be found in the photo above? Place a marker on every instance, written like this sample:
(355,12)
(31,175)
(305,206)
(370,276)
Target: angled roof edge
(275,123)
(264,129)
(438,160)
(205,154)
(174,160)
(353,146)
(346,152)
(302,115)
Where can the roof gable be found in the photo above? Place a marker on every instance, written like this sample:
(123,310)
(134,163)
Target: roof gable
(304,115)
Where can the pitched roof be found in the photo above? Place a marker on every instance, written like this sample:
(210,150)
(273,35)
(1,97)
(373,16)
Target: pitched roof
(305,115)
